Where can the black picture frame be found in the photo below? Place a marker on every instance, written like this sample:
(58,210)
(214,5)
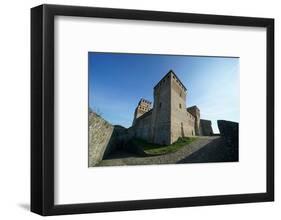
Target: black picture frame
(42,109)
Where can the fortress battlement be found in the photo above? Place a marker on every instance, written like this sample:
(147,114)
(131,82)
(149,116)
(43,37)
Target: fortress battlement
(171,74)
(169,118)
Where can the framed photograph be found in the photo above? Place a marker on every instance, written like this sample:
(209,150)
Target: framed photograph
(136,109)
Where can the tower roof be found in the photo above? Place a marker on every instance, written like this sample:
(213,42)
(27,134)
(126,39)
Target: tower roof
(170,73)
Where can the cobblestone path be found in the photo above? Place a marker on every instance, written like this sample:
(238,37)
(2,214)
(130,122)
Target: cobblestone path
(172,158)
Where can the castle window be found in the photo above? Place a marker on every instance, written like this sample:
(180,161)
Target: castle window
(180,105)
(180,94)
(160,104)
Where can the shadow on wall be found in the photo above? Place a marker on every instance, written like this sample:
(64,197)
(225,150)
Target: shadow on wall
(206,127)
(229,130)
(222,149)
(104,138)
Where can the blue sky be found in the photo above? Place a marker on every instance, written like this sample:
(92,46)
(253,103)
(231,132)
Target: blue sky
(117,81)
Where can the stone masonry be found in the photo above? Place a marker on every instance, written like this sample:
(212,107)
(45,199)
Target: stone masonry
(206,127)
(100,138)
(169,118)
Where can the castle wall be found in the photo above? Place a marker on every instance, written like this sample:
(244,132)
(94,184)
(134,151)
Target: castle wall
(191,121)
(182,122)
(206,127)
(100,138)
(142,107)
(196,113)
(161,117)
(169,119)
(141,128)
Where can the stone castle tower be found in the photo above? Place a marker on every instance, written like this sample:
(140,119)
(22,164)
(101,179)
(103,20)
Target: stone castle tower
(169,119)
(195,111)
(142,107)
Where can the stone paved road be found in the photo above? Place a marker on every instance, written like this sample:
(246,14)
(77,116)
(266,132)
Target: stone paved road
(172,158)
(219,150)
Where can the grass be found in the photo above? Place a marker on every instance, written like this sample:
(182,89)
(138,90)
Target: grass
(155,149)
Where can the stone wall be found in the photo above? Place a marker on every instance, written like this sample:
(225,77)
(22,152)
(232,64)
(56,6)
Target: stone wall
(169,118)
(100,138)
(142,126)
(229,129)
(161,114)
(105,138)
(194,110)
(182,122)
(142,107)
(206,127)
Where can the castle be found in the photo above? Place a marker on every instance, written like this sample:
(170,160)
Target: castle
(169,118)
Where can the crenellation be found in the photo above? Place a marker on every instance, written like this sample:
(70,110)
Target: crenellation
(142,107)
(169,118)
